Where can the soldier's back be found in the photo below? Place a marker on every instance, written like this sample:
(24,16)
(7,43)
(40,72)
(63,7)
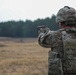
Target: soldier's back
(69,50)
(62,57)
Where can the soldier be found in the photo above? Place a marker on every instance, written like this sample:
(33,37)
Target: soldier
(62,56)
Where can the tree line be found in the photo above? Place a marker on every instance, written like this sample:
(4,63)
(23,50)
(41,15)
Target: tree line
(26,28)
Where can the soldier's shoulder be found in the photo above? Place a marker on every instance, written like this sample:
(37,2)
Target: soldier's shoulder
(60,30)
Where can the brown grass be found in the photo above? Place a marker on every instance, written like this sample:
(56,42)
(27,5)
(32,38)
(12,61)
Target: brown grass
(23,58)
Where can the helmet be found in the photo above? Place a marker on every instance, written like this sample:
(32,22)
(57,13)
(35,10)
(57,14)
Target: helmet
(66,14)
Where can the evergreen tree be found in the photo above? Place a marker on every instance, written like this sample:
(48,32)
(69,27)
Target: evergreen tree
(27,28)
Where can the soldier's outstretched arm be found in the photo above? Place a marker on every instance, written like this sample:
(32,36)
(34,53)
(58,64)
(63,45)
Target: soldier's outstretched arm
(45,37)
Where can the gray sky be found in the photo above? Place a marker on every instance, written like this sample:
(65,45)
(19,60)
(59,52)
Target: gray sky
(31,9)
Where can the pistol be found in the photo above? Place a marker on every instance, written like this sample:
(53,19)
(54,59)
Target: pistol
(41,27)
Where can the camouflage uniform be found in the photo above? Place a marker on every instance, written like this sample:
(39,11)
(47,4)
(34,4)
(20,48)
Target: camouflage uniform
(62,56)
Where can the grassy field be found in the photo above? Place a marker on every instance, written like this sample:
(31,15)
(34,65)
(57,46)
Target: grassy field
(23,57)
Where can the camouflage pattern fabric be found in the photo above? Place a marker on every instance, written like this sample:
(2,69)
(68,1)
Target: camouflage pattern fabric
(62,57)
(66,14)
(53,40)
(69,43)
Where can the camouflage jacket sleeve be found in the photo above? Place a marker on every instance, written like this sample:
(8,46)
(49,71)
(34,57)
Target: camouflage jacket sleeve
(45,39)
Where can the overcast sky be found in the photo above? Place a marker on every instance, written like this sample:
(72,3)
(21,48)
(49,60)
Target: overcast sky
(31,9)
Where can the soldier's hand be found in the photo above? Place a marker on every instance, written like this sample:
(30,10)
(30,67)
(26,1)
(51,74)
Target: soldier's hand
(43,30)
